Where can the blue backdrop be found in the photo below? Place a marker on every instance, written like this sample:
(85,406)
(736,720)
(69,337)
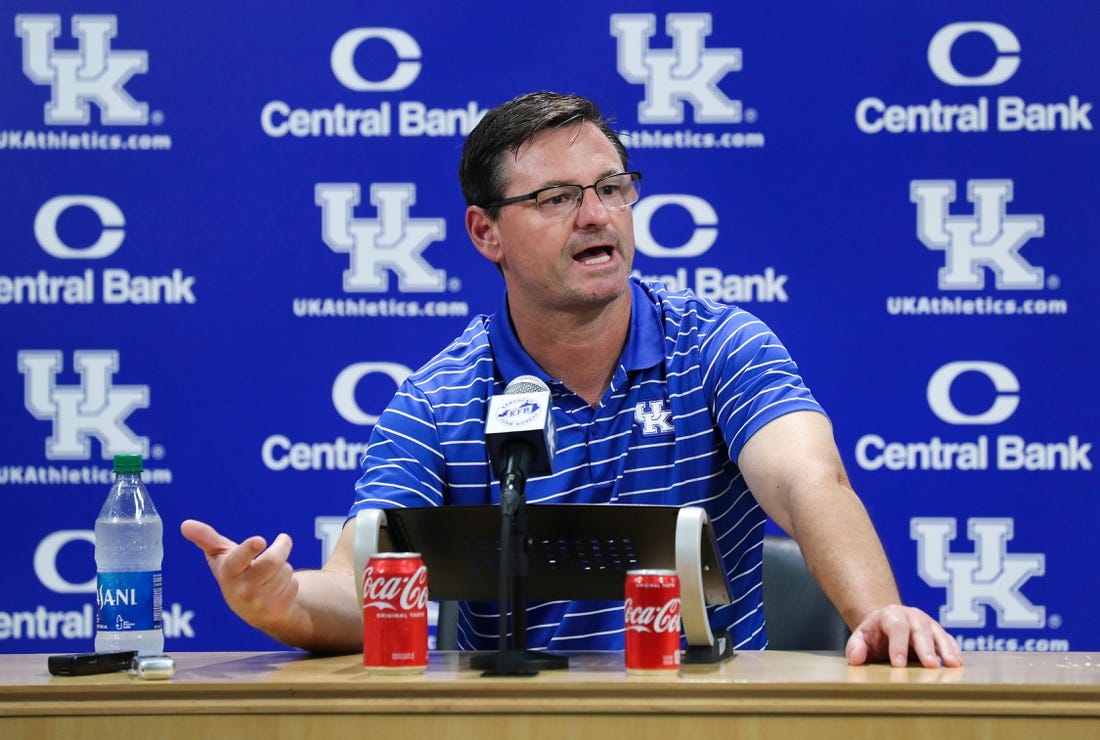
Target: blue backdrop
(229,230)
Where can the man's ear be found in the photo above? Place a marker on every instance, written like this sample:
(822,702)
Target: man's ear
(483,233)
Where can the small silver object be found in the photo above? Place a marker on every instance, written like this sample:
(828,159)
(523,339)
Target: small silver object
(154,667)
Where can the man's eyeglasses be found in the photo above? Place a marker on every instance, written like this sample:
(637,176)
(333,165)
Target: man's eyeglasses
(560,201)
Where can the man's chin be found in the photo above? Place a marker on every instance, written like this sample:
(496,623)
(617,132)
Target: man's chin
(605,288)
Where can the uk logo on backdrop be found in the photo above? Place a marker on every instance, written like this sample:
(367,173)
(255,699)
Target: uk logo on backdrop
(986,249)
(95,408)
(385,255)
(89,416)
(986,241)
(989,577)
(686,73)
(93,73)
(88,78)
(390,244)
(682,81)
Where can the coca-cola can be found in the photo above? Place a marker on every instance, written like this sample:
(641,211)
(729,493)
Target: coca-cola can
(652,621)
(395,613)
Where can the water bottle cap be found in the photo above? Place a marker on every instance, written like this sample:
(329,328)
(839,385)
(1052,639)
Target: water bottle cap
(128,464)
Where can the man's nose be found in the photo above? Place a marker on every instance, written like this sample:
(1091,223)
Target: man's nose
(592,209)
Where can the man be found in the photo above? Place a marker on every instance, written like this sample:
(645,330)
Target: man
(658,397)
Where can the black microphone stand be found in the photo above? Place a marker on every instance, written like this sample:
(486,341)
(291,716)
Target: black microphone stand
(512,657)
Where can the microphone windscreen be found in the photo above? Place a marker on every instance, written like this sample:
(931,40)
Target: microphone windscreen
(521,414)
(526,384)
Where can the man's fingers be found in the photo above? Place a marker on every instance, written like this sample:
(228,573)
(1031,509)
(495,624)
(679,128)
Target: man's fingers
(205,537)
(272,560)
(239,559)
(857,650)
(924,646)
(280,549)
(256,580)
(898,630)
(232,560)
(948,648)
(930,642)
(893,633)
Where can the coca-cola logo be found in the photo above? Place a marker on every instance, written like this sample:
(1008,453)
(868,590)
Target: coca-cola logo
(663,618)
(407,593)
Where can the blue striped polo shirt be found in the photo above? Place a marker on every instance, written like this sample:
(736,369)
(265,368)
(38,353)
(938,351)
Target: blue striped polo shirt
(695,380)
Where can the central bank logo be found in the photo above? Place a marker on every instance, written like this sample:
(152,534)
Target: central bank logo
(346,383)
(989,576)
(703,217)
(1005,64)
(990,395)
(987,239)
(981,56)
(707,281)
(111,220)
(688,72)
(94,408)
(371,60)
(280,452)
(391,243)
(1004,382)
(403,45)
(92,73)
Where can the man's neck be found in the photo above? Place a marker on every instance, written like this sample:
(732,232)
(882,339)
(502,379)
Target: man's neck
(581,350)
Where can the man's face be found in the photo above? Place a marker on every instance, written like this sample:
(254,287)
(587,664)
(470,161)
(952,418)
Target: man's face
(570,263)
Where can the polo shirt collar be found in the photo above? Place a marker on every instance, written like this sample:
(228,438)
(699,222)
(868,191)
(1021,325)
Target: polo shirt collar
(644,344)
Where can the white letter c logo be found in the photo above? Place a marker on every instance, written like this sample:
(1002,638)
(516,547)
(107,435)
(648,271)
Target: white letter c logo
(702,215)
(1008,47)
(110,217)
(343,388)
(406,71)
(1006,383)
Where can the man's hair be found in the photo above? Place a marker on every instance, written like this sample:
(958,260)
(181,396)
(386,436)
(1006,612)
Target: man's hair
(509,126)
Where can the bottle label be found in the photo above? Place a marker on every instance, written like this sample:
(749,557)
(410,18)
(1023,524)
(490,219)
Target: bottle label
(128,601)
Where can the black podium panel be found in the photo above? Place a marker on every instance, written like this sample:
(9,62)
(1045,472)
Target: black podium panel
(577,551)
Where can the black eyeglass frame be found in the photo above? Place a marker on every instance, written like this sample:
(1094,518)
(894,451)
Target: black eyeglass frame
(635,177)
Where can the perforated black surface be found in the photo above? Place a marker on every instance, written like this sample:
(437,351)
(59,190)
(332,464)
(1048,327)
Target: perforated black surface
(575,551)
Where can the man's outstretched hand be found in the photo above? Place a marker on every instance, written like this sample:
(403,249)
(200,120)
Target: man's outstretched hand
(256,581)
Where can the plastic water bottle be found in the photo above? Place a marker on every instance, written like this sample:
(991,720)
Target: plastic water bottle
(129,548)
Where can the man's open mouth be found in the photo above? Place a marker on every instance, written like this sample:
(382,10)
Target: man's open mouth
(594,256)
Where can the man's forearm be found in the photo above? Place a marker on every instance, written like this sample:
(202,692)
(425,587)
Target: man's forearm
(844,553)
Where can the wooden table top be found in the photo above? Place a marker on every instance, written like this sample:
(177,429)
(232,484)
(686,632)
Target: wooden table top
(997,683)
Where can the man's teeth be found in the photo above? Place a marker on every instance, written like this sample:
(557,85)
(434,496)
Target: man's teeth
(597,258)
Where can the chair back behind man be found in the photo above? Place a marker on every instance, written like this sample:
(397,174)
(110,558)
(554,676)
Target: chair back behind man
(798,614)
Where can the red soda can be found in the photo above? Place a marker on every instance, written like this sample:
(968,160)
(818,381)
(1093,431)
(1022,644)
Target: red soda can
(395,613)
(652,621)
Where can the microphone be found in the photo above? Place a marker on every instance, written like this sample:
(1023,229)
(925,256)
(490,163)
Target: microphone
(519,431)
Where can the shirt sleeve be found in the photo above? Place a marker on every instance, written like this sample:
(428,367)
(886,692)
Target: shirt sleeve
(754,377)
(403,465)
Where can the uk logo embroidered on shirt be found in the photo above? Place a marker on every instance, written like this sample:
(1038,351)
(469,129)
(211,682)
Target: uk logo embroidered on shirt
(655,418)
